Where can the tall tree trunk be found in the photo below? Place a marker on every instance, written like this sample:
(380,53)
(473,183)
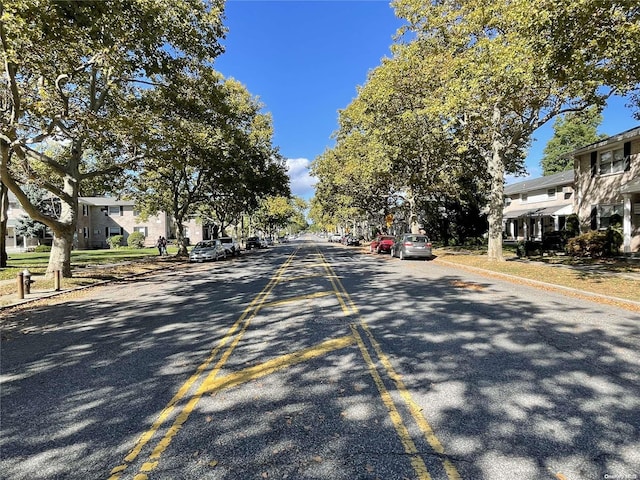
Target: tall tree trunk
(5,151)
(413,215)
(60,256)
(64,229)
(495,164)
(182,247)
(4,217)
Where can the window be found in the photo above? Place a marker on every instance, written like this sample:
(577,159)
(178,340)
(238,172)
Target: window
(551,193)
(612,161)
(507,201)
(606,213)
(142,230)
(85,210)
(115,210)
(110,231)
(524,197)
(85,232)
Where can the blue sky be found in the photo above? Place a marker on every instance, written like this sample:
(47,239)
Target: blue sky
(305,58)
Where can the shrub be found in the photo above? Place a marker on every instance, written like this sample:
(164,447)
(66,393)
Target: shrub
(43,248)
(592,244)
(115,241)
(528,248)
(572,226)
(136,240)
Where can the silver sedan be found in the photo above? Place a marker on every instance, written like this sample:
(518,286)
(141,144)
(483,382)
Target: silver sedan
(410,245)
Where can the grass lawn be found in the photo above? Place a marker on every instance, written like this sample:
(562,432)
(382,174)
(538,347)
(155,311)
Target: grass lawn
(617,278)
(37,262)
(89,267)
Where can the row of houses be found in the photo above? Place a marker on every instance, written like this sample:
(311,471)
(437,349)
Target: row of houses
(100,218)
(604,183)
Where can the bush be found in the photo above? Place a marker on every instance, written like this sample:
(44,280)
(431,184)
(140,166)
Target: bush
(528,248)
(136,240)
(115,241)
(572,226)
(43,248)
(592,244)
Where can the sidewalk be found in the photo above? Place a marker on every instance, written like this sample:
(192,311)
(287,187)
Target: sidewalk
(43,288)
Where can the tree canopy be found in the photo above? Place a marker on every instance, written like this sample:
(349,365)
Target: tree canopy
(455,108)
(94,90)
(570,132)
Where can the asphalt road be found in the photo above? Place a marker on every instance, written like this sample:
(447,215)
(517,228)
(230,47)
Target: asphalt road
(311,360)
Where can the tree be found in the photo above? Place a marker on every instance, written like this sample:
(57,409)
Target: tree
(71,73)
(570,132)
(274,213)
(491,92)
(208,151)
(4,218)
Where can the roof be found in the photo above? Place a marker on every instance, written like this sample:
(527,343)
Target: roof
(104,201)
(632,186)
(620,137)
(557,179)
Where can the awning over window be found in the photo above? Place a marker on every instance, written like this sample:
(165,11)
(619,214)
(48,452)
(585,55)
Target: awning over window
(631,187)
(563,211)
(516,213)
(540,212)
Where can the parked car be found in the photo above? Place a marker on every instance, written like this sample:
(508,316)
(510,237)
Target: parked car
(412,245)
(253,242)
(207,250)
(382,244)
(335,237)
(350,240)
(230,245)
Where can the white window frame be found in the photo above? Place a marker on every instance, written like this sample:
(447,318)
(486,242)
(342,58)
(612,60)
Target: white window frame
(611,161)
(551,193)
(606,211)
(114,210)
(524,197)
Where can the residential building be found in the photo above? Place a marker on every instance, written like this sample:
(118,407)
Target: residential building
(13,240)
(100,218)
(536,206)
(607,185)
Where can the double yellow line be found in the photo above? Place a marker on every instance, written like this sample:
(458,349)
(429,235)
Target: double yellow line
(231,339)
(233,335)
(349,308)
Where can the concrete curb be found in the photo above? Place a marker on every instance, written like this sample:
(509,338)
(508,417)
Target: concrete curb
(538,283)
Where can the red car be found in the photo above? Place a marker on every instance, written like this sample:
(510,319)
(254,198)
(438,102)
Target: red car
(382,243)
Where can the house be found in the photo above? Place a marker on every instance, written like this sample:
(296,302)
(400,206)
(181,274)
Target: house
(607,184)
(100,218)
(537,206)
(14,241)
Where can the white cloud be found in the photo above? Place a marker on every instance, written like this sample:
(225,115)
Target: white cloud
(302,183)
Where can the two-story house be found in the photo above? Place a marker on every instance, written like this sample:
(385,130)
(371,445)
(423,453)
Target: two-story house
(536,206)
(608,185)
(102,217)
